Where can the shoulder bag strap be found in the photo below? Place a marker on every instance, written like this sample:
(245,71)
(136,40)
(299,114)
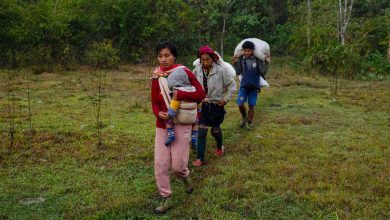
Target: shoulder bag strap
(164,90)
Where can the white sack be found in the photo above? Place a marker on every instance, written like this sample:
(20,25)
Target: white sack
(263,83)
(261,50)
(230,69)
(196,62)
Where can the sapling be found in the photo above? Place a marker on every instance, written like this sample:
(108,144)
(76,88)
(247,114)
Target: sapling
(103,56)
(11,106)
(29,117)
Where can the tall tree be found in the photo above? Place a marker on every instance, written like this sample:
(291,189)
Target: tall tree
(308,24)
(388,52)
(343,15)
(227,5)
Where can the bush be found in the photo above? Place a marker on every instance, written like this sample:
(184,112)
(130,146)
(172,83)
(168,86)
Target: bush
(343,60)
(103,55)
(375,65)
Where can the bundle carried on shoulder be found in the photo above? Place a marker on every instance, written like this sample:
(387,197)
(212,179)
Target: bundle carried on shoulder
(230,69)
(187,112)
(262,50)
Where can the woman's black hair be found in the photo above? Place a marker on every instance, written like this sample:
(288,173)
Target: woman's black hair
(169,45)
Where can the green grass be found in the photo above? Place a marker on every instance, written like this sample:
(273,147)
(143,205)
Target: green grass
(307,158)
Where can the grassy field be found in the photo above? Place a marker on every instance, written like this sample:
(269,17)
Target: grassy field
(307,158)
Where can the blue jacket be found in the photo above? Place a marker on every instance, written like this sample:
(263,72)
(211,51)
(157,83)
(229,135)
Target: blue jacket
(251,69)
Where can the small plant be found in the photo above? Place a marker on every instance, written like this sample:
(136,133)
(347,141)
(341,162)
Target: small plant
(98,81)
(98,103)
(12,75)
(102,56)
(29,116)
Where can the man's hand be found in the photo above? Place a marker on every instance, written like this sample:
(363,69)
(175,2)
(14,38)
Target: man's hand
(222,102)
(267,58)
(163,115)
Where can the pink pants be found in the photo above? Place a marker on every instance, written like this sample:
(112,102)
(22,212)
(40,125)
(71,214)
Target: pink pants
(175,156)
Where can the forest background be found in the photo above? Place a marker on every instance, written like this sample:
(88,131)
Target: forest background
(348,37)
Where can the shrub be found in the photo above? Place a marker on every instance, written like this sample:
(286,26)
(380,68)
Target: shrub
(103,55)
(375,65)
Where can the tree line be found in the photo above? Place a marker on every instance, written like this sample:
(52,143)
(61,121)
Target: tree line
(345,36)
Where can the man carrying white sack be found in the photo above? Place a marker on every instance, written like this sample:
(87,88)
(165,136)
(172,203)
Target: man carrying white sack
(250,68)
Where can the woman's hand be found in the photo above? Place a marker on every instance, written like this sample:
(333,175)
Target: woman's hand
(174,96)
(163,115)
(222,102)
(206,100)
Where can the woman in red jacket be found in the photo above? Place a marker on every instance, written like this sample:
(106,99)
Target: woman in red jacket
(175,156)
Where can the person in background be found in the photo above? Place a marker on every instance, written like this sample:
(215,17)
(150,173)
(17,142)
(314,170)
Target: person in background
(219,86)
(176,156)
(250,68)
